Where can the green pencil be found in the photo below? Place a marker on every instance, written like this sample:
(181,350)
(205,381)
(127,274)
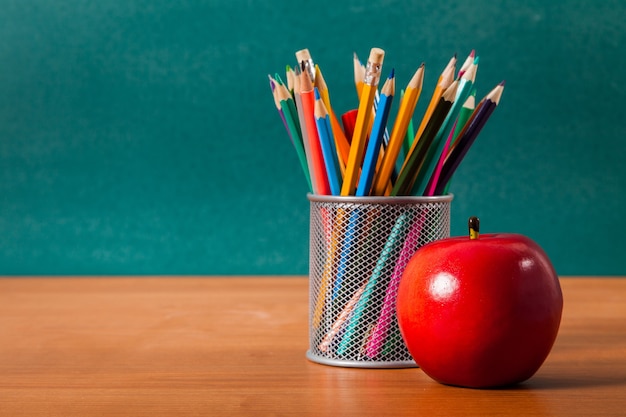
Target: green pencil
(291,118)
(415,159)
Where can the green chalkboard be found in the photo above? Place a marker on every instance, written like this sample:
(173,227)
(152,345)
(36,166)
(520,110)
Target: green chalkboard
(140,136)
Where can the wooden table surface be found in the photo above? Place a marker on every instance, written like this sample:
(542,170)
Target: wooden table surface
(182,346)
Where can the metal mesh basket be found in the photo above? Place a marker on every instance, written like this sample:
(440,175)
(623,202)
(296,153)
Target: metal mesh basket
(359,247)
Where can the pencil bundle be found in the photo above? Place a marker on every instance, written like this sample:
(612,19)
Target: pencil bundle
(360,248)
(367,151)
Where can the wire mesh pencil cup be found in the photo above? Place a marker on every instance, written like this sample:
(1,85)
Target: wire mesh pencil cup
(359,247)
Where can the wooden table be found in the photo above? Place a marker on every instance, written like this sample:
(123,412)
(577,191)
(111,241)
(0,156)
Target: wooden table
(224,346)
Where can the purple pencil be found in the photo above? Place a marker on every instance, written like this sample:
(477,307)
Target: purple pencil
(468,136)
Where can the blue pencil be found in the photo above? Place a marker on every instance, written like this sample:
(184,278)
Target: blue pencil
(327,141)
(376,136)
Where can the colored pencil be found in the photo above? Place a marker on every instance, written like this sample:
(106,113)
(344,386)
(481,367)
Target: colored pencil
(370,85)
(327,142)
(417,154)
(342,319)
(435,152)
(469,134)
(394,239)
(445,79)
(341,142)
(385,319)
(407,107)
(464,115)
(307,95)
(430,186)
(273,84)
(297,97)
(376,137)
(404,151)
(335,230)
(293,126)
(290,75)
(347,252)
(359,74)
(468,61)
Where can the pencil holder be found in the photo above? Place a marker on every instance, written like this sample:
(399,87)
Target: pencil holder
(359,247)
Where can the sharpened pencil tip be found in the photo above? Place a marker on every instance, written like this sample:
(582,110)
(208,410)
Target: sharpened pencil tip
(502,83)
(317,93)
(392,73)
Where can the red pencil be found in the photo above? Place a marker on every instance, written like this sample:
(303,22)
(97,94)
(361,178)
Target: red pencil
(307,95)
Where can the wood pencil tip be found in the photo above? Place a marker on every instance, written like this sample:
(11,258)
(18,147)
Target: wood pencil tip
(306,84)
(392,73)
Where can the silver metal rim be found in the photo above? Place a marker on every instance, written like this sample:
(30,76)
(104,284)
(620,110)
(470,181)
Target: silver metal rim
(360,364)
(380,200)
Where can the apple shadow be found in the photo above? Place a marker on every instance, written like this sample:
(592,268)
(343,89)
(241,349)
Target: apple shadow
(539,382)
(576,376)
(550,382)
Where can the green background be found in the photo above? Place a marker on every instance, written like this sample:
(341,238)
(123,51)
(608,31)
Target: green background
(140,136)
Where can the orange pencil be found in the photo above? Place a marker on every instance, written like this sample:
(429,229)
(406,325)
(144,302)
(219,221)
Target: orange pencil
(445,79)
(363,119)
(341,142)
(407,107)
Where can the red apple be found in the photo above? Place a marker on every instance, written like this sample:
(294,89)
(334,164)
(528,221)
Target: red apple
(480,311)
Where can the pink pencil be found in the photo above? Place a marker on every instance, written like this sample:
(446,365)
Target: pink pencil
(379,334)
(432,183)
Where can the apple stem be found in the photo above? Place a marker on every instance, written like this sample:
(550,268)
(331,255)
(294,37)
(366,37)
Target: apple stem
(474,227)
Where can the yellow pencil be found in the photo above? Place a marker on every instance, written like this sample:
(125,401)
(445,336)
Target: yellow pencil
(359,74)
(445,79)
(364,113)
(407,107)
